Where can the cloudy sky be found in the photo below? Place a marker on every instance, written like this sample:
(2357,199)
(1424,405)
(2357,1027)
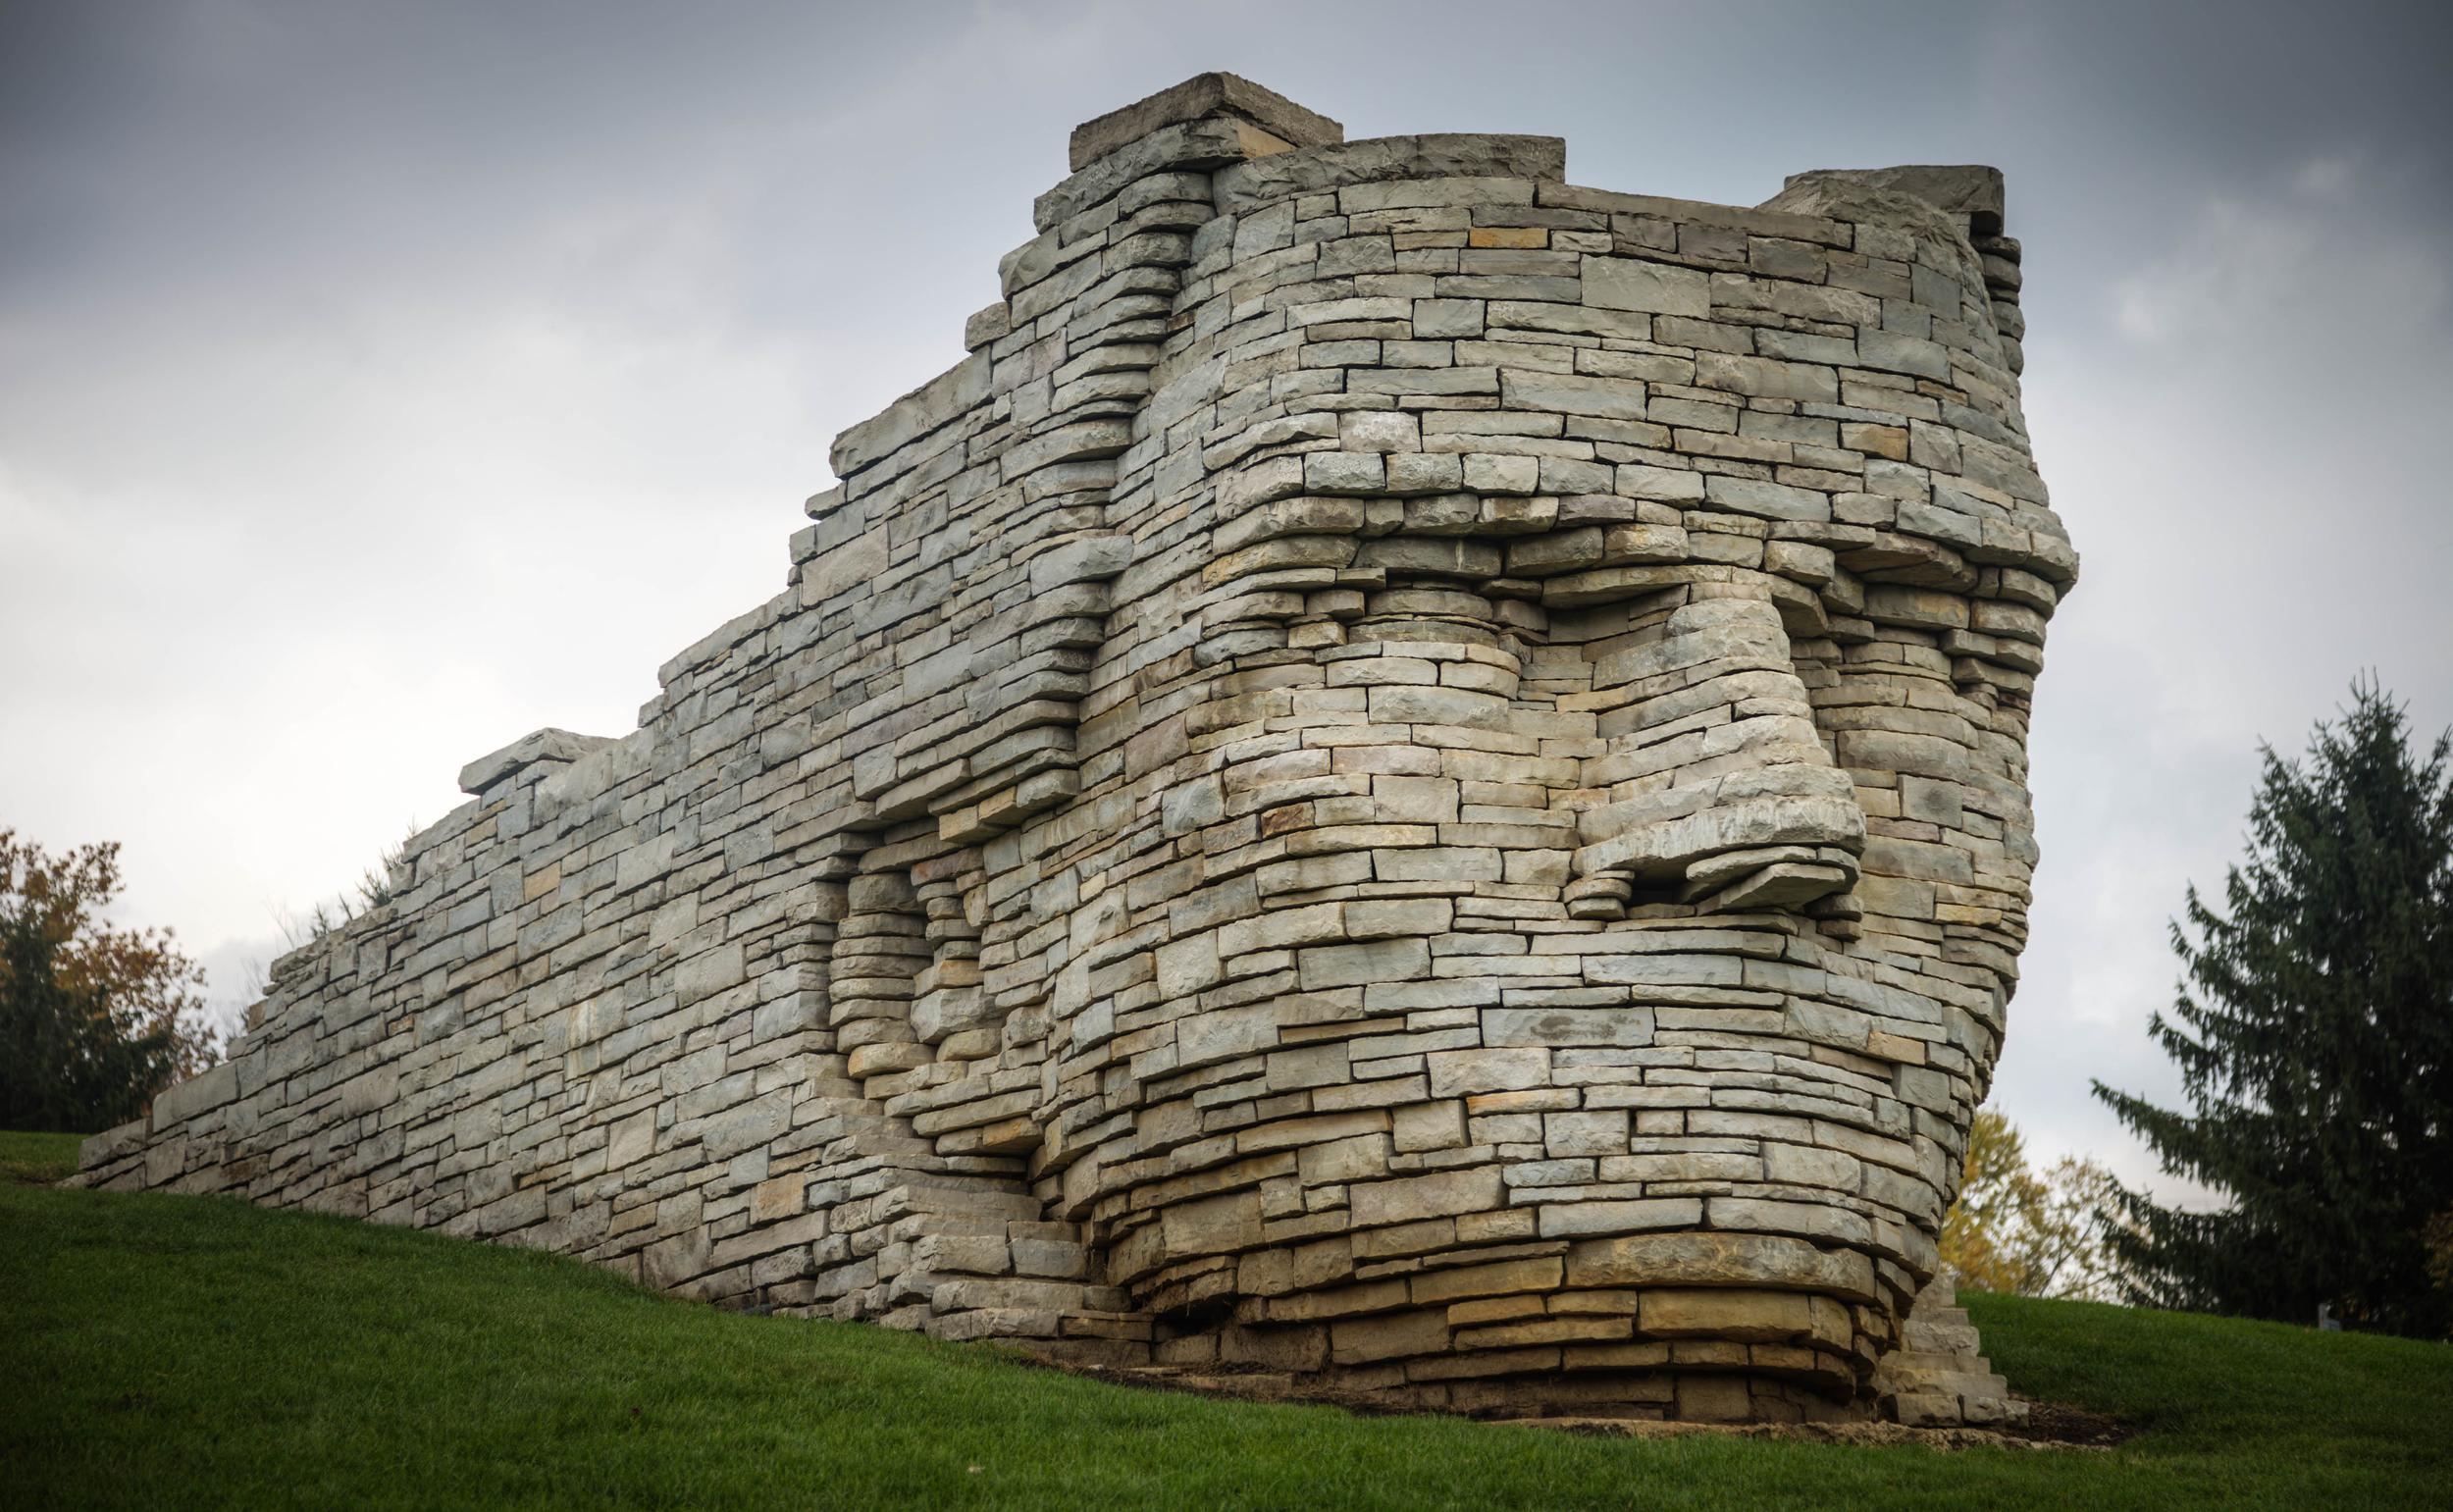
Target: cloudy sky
(380,382)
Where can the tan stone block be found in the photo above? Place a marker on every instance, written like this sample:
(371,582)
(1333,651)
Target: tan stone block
(1546,1331)
(1713,1399)
(1323,1260)
(1369,1297)
(1459,1071)
(1374,919)
(1612,1300)
(1771,1261)
(1528,1100)
(1565,1219)
(1361,1340)
(1364,1158)
(1294,1348)
(1814,1220)
(1488,1361)
(1585,1133)
(1229,1221)
(1499,1228)
(887,1058)
(1797,1166)
(1429,1236)
(1895,1047)
(1628,283)
(633,1139)
(1440,1194)
(1489,1310)
(1288,1133)
(777,1197)
(1347,966)
(1537,1273)
(1883,440)
(1428,1126)
(1631,1356)
(1750,1317)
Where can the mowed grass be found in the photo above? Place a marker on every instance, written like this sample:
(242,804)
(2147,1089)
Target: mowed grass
(170,1351)
(37,1157)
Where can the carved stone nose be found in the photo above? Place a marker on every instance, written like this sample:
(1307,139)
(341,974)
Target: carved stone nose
(1714,776)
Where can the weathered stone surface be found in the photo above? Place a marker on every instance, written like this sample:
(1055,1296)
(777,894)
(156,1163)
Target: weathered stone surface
(1411,773)
(1205,94)
(1629,284)
(1968,190)
(531,755)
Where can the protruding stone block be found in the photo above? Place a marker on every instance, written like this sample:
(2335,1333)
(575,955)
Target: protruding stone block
(1202,96)
(529,758)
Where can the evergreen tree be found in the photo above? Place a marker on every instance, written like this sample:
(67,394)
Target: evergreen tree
(2314,1041)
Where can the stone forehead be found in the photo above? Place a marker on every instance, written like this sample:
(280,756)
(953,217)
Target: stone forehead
(1411,775)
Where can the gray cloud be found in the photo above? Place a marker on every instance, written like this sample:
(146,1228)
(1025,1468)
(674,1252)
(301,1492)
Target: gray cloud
(378,383)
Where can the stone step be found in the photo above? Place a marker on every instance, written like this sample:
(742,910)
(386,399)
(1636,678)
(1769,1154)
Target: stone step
(1923,1409)
(1931,1359)
(1950,1382)
(1928,1338)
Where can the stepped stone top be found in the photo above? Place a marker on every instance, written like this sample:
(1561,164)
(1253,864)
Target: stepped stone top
(1196,98)
(1972,192)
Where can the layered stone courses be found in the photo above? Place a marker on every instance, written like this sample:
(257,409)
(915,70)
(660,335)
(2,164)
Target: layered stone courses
(1412,774)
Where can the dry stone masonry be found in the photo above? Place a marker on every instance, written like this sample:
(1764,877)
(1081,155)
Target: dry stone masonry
(1411,775)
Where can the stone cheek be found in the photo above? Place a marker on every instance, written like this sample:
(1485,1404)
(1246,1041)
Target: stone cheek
(1412,774)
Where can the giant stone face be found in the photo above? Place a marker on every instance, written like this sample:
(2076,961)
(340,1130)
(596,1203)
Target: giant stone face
(1412,774)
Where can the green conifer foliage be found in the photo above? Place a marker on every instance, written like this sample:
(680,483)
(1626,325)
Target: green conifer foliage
(2314,1033)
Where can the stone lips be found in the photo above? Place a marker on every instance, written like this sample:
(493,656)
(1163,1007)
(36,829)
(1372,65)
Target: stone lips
(1412,774)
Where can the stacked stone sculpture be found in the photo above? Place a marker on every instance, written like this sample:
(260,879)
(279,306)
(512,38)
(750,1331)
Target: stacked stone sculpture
(1411,775)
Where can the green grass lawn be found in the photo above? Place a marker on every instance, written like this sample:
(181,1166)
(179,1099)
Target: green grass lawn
(168,1351)
(27,1158)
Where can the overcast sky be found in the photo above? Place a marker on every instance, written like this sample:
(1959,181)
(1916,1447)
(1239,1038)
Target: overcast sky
(381,382)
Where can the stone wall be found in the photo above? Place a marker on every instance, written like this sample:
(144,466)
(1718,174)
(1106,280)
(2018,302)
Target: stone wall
(1412,774)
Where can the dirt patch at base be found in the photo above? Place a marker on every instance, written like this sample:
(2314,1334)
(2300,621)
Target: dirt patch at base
(1252,1384)
(2049,1424)
(2102,1433)
(2076,1427)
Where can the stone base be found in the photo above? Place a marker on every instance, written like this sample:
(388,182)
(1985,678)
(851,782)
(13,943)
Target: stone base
(1695,1397)
(1936,1380)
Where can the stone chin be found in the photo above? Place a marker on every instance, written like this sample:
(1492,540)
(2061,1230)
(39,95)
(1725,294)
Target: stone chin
(1412,774)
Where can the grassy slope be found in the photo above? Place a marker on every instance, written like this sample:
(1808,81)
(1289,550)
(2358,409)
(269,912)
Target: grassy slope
(38,1157)
(161,1350)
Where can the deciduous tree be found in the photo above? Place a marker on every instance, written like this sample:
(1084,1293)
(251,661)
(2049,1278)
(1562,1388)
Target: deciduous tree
(2027,1233)
(94,1019)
